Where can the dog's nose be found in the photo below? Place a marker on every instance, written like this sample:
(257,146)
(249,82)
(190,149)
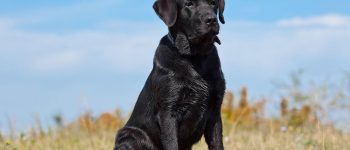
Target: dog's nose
(210,20)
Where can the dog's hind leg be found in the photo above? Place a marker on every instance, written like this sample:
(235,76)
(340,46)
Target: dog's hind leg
(131,138)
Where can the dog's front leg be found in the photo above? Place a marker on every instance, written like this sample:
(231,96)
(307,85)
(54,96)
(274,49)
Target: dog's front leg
(168,127)
(213,133)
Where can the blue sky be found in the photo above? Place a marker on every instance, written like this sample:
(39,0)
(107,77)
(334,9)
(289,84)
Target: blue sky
(69,56)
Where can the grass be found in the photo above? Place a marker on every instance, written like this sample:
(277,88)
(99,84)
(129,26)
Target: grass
(75,138)
(257,140)
(245,128)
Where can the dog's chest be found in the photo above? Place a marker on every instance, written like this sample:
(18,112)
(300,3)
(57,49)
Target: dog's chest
(197,101)
(196,91)
(194,119)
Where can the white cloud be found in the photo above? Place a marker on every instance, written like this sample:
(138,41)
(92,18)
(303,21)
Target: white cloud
(58,61)
(270,48)
(251,47)
(331,20)
(117,51)
(6,24)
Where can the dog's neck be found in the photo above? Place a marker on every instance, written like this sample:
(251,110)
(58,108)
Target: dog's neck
(185,47)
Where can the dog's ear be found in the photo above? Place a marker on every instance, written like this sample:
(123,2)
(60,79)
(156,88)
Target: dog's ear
(166,10)
(221,11)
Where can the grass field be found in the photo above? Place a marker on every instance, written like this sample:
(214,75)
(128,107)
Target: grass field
(74,138)
(245,128)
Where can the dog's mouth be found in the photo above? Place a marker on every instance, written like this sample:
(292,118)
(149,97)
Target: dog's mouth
(205,38)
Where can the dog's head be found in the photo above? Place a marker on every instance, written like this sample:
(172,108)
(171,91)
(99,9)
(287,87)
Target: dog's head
(197,19)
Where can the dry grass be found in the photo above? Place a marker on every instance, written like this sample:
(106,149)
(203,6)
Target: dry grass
(291,140)
(245,128)
(76,138)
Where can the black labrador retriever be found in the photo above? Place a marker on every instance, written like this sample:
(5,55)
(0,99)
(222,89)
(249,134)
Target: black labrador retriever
(182,97)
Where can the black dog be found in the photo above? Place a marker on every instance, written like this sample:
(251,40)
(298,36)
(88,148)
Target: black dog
(182,97)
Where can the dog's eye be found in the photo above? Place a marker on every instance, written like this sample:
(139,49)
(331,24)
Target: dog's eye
(213,3)
(189,3)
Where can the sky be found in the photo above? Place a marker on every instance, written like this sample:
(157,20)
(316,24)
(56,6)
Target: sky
(66,57)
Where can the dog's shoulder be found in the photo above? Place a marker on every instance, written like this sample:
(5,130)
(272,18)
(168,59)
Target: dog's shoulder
(166,51)
(168,60)
(166,45)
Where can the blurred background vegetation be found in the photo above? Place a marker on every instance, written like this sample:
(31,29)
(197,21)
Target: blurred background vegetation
(301,122)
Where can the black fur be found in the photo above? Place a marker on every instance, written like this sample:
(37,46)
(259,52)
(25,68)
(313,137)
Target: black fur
(182,97)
